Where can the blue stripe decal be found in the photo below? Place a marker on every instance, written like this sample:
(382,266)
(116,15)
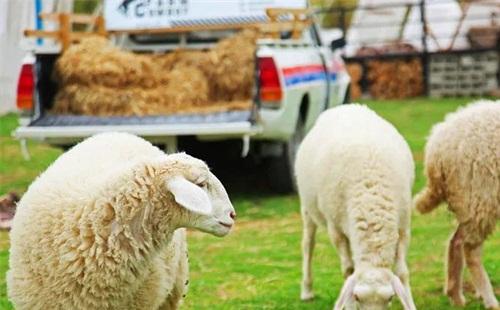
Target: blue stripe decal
(38,20)
(308,77)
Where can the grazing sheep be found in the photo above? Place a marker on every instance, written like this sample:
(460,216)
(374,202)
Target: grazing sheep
(7,209)
(354,175)
(462,165)
(102,228)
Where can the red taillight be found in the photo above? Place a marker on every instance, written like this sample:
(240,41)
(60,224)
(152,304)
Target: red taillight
(270,87)
(25,86)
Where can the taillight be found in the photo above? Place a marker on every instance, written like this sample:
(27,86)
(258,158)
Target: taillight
(270,87)
(25,86)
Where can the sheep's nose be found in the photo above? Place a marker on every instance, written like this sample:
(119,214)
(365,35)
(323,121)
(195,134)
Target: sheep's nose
(232,215)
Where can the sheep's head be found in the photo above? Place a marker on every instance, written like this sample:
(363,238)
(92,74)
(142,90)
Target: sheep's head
(373,289)
(202,196)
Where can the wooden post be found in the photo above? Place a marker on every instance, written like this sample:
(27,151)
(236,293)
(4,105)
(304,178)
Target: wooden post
(100,26)
(273,18)
(64,30)
(425,54)
(297,26)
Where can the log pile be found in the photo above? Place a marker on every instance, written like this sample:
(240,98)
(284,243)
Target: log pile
(395,79)
(393,48)
(96,78)
(484,37)
(392,78)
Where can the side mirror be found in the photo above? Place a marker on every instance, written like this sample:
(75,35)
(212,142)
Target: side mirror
(337,43)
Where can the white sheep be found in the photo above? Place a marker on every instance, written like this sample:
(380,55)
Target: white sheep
(462,165)
(102,227)
(354,174)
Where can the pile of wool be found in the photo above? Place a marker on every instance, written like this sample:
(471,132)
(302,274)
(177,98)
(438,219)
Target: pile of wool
(96,78)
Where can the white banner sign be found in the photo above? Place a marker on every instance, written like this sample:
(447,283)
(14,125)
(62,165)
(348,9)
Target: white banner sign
(147,14)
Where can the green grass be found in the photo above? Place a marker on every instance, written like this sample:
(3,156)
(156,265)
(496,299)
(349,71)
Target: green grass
(258,265)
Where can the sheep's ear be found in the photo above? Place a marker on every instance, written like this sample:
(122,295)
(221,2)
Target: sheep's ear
(346,293)
(403,295)
(189,195)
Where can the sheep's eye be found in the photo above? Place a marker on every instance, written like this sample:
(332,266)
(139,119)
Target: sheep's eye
(202,184)
(356,298)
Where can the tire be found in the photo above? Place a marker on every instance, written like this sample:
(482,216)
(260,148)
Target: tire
(280,169)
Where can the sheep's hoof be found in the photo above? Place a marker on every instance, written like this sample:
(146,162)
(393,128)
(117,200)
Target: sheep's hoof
(306,296)
(458,301)
(492,305)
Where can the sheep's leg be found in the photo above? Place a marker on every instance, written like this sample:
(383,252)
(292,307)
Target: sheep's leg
(401,265)
(479,276)
(180,271)
(308,240)
(340,241)
(180,288)
(455,268)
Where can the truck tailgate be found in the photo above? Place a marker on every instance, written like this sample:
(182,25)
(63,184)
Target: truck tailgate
(62,129)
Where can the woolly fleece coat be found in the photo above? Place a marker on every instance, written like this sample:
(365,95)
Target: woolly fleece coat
(355,171)
(90,233)
(462,165)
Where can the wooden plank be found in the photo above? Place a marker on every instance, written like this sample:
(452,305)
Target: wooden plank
(282,11)
(283,26)
(76,36)
(265,27)
(74,18)
(41,33)
(183,29)
(83,19)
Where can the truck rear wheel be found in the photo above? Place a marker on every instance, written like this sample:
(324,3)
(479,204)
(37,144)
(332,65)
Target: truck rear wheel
(280,170)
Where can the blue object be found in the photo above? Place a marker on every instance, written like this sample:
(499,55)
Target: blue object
(38,20)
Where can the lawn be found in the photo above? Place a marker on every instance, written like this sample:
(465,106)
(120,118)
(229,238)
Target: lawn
(258,265)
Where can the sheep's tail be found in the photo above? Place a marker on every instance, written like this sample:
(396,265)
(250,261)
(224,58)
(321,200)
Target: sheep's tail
(428,199)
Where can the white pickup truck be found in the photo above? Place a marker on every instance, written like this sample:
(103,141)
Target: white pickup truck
(296,79)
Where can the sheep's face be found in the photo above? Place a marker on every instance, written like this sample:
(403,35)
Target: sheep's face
(373,289)
(202,195)
(221,218)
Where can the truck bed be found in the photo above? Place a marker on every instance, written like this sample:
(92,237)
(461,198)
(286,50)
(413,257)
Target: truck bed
(69,129)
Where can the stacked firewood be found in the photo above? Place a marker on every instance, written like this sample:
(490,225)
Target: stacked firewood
(388,79)
(395,79)
(484,37)
(392,77)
